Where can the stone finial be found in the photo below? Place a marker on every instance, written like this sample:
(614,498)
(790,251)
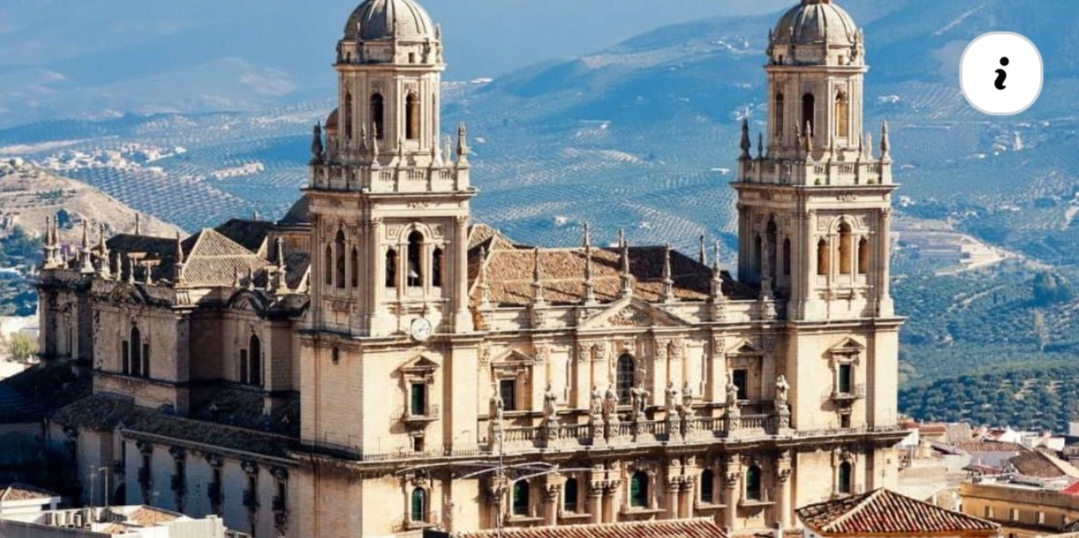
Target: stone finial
(885,142)
(102,242)
(462,144)
(318,151)
(537,278)
(87,265)
(178,267)
(138,224)
(236,282)
(702,255)
(760,145)
(627,276)
(589,287)
(717,277)
(745,145)
(250,278)
(621,238)
(668,281)
(85,235)
(281,272)
(485,288)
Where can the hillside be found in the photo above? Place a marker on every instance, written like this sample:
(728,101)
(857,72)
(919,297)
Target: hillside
(28,195)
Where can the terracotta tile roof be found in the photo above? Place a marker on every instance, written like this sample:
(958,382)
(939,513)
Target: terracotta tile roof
(243,409)
(100,412)
(47,387)
(251,234)
(885,513)
(480,234)
(209,433)
(510,276)
(1072,490)
(213,259)
(990,446)
(1041,465)
(148,516)
(23,492)
(684,528)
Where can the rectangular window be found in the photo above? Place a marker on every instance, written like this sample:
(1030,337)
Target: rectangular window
(243,366)
(126,352)
(844,421)
(741,380)
(146,360)
(1013,514)
(846,372)
(988,512)
(417,405)
(507,389)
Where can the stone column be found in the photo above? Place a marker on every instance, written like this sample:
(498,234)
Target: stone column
(689,497)
(884,300)
(610,501)
(673,488)
(731,482)
(783,496)
(550,507)
(595,502)
(462,321)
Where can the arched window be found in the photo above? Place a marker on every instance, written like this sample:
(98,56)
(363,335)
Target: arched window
(772,237)
(391,268)
(436,268)
(347,113)
(412,116)
(418,510)
(520,498)
(569,496)
(809,110)
(846,475)
(863,256)
(708,487)
(777,115)
(339,246)
(845,247)
(415,256)
(638,490)
(786,257)
(822,258)
(355,263)
(378,116)
(624,378)
(327,265)
(753,483)
(254,374)
(136,352)
(842,116)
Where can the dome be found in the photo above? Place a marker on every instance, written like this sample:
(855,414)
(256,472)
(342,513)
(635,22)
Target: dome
(815,22)
(381,19)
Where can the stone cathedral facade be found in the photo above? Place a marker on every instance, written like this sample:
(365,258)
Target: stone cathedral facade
(375,363)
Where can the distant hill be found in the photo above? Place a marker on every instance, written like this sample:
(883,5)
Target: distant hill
(28,195)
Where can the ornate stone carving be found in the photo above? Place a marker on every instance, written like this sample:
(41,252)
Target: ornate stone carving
(630,317)
(250,467)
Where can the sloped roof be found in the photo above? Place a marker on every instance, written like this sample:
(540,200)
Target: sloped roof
(684,528)
(16,408)
(23,492)
(883,512)
(47,387)
(299,213)
(251,234)
(1041,465)
(214,260)
(510,276)
(100,412)
(209,433)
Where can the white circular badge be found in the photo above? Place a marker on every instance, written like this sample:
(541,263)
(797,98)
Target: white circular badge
(1001,73)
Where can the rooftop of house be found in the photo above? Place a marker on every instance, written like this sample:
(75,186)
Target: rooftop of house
(686,528)
(24,492)
(883,512)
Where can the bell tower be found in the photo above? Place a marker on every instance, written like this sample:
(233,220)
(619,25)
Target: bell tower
(389,197)
(815,205)
(814,210)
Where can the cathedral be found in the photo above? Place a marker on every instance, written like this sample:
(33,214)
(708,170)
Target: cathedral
(377,364)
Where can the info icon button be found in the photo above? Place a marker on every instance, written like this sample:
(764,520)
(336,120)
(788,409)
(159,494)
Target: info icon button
(1001,73)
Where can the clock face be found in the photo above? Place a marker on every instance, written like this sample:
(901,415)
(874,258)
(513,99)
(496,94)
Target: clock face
(420,330)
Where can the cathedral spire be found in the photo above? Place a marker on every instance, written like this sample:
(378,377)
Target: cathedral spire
(745,145)
(462,145)
(668,281)
(885,142)
(317,150)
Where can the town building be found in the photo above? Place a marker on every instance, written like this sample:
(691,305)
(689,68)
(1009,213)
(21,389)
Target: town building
(112,522)
(377,363)
(882,513)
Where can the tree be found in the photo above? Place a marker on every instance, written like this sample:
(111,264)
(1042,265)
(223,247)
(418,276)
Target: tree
(22,347)
(1051,288)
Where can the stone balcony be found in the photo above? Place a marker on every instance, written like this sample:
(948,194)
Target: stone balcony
(390,179)
(830,172)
